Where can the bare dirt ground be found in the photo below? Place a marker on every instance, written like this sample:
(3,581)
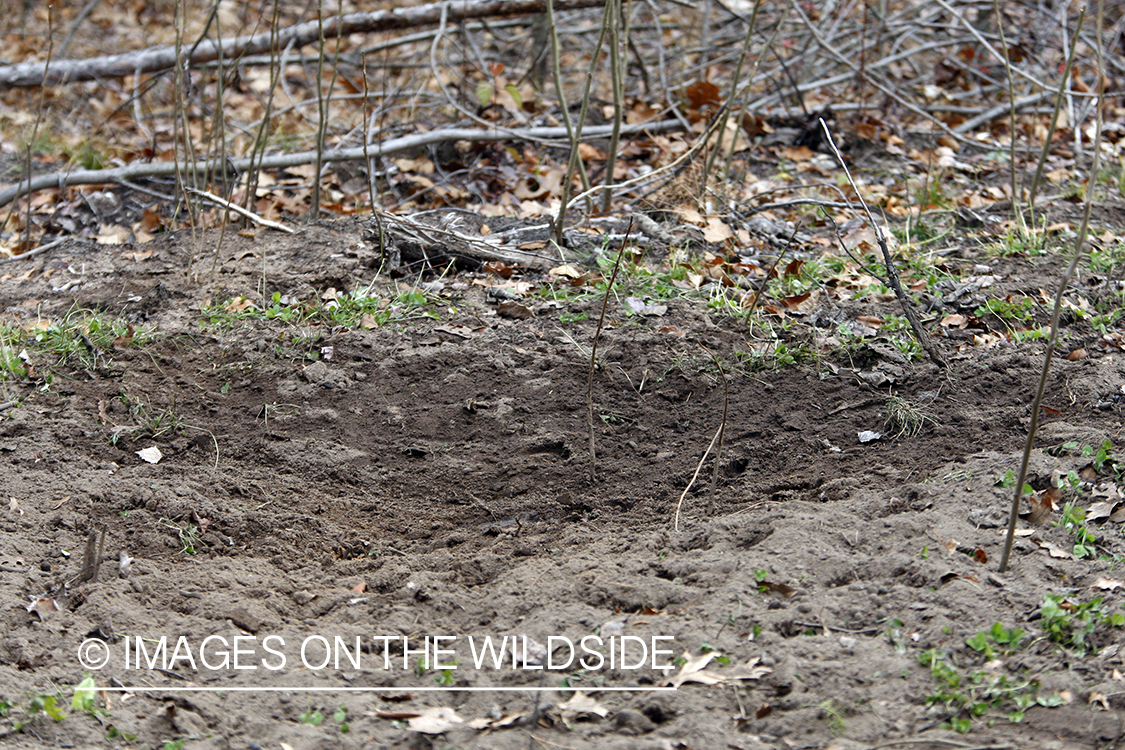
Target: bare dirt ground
(431,477)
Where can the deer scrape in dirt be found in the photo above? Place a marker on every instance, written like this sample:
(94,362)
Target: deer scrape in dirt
(431,478)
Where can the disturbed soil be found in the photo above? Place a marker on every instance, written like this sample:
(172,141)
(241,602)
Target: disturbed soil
(433,478)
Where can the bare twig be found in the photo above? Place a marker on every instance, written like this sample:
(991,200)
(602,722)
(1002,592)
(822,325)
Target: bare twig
(892,274)
(1013,516)
(722,425)
(576,134)
(618,15)
(594,357)
(699,466)
(240,211)
(1063,79)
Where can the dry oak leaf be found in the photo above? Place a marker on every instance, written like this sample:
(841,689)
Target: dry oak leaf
(581,705)
(693,670)
(716,230)
(751,670)
(435,720)
(1053,550)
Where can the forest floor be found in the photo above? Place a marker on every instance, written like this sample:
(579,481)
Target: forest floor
(424,471)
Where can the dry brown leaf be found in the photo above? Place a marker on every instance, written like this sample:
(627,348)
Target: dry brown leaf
(716,230)
(693,670)
(435,720)
(581,706)
(112,235)
(750,671)
(691,216)
(1053,550)
(1100,510)
(240,305)
(703,94)
(797,153)
(1106,584)
(1108,489)
(1099,698)
(1058,176)
(801,303)
(955,321)
(42,605)
(568,271)
(778,588)
(514,310)
(1042,504)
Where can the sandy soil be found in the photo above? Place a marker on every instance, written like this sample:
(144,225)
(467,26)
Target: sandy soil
(431,478)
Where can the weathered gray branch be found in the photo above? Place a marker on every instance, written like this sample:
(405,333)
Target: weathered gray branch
(280,161)
(162,58)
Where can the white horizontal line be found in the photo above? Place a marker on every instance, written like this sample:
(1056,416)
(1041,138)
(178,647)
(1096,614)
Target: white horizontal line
(404,689)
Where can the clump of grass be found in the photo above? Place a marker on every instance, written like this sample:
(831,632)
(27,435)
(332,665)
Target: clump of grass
(86,337)
(905,418)
(150,421)
(361,308)
(12,366)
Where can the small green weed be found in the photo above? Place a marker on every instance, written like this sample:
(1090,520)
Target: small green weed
(895,635)
(362,308)
(1106,257)
(1030,243)
(188,535)
(1072,625)
(113,733)
(86,337)
(85,692)
(445,676)
(1074,521)
(341,718)
(566,318)
(1011,309)
(835,717)
(150,421)
(974,694)
(312,717)
(997,641)
(39,706)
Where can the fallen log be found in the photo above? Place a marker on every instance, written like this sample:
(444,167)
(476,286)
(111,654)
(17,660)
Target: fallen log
(138,170)
(165,57)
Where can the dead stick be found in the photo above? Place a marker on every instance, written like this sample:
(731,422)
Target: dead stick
(162,58)
(920,332)
(275,161)
(593,357)
(1052,340)
(722,425)
(699,466)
